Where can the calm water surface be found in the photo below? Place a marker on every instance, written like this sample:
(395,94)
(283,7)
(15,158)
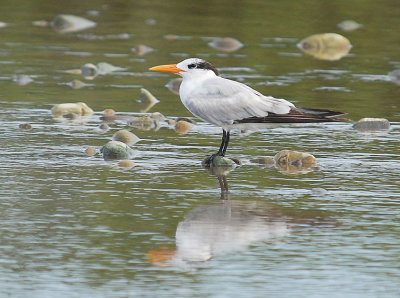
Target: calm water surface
(78,226)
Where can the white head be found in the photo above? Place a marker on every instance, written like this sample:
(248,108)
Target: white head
(196,65)
(189,68)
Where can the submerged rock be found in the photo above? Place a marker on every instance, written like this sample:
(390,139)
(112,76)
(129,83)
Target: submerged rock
(144,123)
(127,164)
(157,116)
(89,71)
(372,124)
(173,85)
(25,126)
(349,25)
(22,79)
(104,68)
(108,115)
(326,46)
(267,162)
(41,23)
(126,137)
(226,44)
(79,108)
(104,126)
(295,158)
(66,23)
(318,191)
(294,162)
(116,150)
(142,50)
(182,127)
(70,116)
(147,100)
(90,151)
(394,76)
(76,84)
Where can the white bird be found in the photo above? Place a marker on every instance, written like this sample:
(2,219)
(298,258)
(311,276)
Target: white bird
(229,104)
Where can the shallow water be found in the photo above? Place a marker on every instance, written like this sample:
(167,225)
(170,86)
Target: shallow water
(74,225)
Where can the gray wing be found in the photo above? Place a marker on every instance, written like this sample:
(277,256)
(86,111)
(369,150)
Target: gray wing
(222,101)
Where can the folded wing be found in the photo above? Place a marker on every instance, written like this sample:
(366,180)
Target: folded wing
(222,101)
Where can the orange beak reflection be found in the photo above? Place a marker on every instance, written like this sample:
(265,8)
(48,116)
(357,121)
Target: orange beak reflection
(167,68)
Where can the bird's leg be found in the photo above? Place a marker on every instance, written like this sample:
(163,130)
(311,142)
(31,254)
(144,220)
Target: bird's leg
(227,137)
(222,148)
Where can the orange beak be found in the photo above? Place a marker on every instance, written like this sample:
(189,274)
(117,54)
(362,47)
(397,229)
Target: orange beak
(167,68)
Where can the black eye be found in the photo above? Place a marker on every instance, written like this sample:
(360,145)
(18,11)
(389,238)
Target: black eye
(190,66)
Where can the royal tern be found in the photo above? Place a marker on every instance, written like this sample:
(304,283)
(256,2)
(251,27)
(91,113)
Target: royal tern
(231,104)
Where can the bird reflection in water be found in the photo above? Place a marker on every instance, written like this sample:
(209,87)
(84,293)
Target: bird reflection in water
(220,173)
(226,227)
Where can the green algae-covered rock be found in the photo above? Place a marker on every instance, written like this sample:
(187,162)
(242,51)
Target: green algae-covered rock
(116,150)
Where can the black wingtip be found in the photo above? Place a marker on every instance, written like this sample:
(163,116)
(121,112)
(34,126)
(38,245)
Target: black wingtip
(320,112)
(298,115)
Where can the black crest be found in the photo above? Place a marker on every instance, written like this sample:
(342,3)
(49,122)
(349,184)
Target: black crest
(204,65)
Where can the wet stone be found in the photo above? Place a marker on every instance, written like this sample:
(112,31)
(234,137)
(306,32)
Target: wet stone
(264,161)
(89,71)
(126,137)
(325,46)
(66,23)
(70,116)
(157,116)
(79,108)
(104,68)
(127,164)
(115,150)
(226,44)
(182,127)
(295,158)
(25,126)
(104,126)
(90,151)
(372,124)
(349,25)
(394,76)
(76,84)
(318,191)
(146,100)
(143,123)
(142,50)
(22,79)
